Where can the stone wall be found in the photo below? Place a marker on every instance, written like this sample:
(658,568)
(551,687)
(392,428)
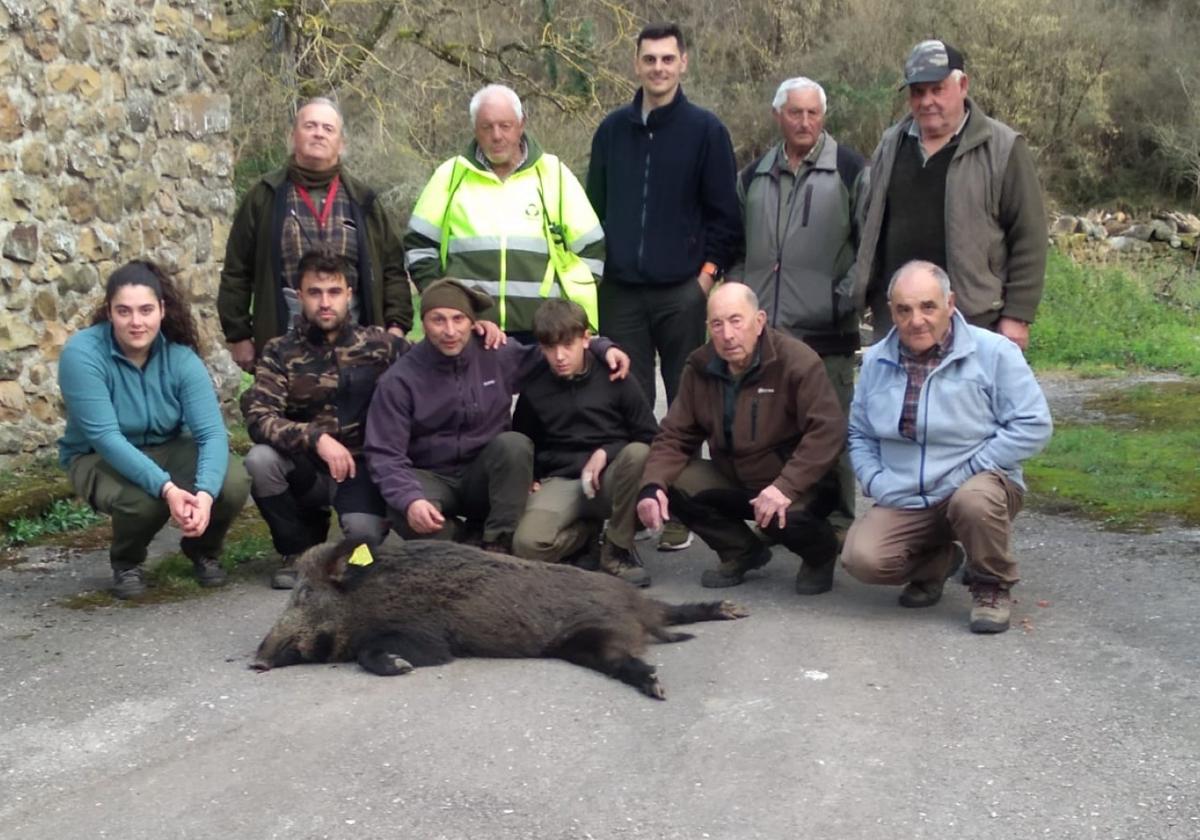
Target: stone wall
(114,145)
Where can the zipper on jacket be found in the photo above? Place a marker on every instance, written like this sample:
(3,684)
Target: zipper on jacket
(779,243)
(645,201)
(808,191)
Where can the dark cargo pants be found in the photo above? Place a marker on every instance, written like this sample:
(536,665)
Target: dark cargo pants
(716,508)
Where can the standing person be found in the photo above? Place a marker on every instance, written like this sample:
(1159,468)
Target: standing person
(590,439)
(943,417)
(952,186)
(310,204)
(439,438)
(800,205)
(306,411)
(761,401)
(509,219)
(662,178)
(145,441)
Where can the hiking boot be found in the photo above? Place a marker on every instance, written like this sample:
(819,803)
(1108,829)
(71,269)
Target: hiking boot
(675,536)
(724,576)
(990,606)
(209,572)
(925,593)
(128,583)
(814,579)
(285,576)
(587,556)
(625,564)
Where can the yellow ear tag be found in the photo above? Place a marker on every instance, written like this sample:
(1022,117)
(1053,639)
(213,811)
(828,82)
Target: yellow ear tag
(361,556)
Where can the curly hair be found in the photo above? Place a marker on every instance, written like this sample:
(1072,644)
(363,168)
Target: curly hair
(177,323)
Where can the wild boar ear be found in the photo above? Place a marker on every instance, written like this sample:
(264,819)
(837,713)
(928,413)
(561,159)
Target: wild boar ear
(346,553)
(325,565)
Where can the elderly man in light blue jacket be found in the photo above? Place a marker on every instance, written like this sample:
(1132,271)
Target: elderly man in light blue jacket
(943,415)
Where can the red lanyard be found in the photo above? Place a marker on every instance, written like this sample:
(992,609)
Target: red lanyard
(326,205)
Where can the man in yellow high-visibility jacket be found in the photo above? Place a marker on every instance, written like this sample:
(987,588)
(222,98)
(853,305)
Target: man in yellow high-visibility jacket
(509,219)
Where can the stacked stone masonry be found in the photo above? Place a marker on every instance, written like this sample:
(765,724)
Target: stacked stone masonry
(114,145)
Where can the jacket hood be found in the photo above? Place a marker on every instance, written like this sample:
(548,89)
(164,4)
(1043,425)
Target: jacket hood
(533,153)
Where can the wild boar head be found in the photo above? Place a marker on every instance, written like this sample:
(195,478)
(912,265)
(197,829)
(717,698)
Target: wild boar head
(316,624)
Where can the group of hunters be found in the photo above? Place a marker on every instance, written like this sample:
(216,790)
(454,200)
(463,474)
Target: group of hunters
(748,287)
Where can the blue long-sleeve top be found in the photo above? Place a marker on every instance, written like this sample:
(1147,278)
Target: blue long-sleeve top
(114,407)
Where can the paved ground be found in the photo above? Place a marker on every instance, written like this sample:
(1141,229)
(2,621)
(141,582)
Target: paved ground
(839,716)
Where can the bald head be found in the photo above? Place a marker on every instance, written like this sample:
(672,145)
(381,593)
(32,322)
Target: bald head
(735,323)
(922,304)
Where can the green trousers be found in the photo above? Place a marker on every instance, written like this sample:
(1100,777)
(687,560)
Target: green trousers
(137,517)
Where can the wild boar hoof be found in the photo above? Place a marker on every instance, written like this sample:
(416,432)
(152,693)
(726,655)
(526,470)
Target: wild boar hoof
(729,610)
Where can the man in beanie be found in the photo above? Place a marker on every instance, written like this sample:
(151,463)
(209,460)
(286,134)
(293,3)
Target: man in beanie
(954,187)
(309,205)
(439,443)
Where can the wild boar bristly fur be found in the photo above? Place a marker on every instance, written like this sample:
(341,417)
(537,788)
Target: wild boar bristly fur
(426,602)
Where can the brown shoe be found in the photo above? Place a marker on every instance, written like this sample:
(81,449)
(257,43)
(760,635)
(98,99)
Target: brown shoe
(990,608)
(624,563)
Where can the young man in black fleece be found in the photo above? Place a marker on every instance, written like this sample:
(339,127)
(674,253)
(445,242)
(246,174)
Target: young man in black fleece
(662,178)
(591,436)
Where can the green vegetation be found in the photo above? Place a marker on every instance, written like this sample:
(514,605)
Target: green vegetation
(1104,318)
(62,515)
(248,554)
(1139,467)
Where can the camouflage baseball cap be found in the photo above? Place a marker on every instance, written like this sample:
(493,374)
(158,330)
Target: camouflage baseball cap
(931,61)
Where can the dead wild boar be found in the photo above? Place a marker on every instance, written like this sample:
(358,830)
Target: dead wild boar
(425,602)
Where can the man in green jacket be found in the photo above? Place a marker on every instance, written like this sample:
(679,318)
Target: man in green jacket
(309,205)
(951,186)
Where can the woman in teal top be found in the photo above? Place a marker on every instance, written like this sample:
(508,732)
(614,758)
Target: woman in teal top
(145,440)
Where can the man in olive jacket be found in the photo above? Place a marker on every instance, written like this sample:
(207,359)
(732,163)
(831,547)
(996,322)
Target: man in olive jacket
(309,205)
(954,187)
(774,428)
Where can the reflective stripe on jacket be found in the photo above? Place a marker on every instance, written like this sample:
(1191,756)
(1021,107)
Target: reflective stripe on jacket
(492,233)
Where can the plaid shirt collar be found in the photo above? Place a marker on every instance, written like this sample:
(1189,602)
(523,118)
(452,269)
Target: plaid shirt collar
(918,366)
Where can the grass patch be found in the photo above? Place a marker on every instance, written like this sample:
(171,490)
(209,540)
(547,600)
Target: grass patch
(248,554)
(1140,468)
(61,516)
(1101,319)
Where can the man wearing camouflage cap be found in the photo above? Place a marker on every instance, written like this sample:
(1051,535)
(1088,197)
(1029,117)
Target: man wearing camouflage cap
(954,187)
(439,440)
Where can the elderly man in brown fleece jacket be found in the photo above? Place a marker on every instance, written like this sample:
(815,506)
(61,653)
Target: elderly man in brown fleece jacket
(762,401)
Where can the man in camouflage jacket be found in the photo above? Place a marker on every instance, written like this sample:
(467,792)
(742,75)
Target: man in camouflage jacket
(306,412)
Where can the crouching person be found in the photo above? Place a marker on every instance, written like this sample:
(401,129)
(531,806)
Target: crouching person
(590,436)
(307,412)
(762,401)
(145,441)
(942,418)
(439,440)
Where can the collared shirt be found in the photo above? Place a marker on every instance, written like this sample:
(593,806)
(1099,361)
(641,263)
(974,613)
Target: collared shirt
(782,170)
(784,164)
(918,366)
(914,130)
(483,161)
